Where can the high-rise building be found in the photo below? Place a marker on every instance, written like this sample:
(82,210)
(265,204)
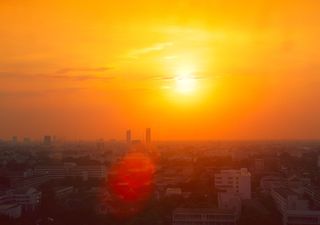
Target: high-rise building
(148,135)
(128,137)
(47,140)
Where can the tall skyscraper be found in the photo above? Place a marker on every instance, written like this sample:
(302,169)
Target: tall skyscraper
(128,137)
(47,140)
(148,135)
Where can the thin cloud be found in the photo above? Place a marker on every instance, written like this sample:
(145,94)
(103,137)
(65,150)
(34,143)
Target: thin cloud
(82,77)
(30,93)
(154,48)
(163,78)
(174,77)
(60,76)
(83,69)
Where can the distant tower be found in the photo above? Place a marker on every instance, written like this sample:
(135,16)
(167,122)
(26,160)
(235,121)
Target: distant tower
(128,137)
(15,140)
(26,140)
(47,140)
(148,135)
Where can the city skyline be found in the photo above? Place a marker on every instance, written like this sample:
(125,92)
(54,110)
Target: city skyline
(84,71)
(159,112)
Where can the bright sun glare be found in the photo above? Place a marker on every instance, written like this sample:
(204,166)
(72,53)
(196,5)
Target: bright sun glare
(185,82)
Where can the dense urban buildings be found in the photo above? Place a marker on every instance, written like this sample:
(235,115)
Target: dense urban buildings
(201,216)
(160,112)
(215,183)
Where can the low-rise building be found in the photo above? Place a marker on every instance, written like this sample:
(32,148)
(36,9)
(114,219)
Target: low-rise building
(295,209)
(61,192)
(201,216)
(29,198)
(313,193)
(53,171)
(72,170)
(32,181)
(173,192)
(259,165)
(267,183)
(11,210)
(230,201)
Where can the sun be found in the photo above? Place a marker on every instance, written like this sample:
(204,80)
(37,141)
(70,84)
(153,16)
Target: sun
(185,82)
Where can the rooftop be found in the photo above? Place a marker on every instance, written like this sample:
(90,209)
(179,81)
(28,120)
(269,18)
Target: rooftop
(285,192)
(203,210)
(8,206)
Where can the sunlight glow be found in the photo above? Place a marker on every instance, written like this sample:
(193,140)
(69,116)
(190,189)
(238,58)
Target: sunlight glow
(185,82)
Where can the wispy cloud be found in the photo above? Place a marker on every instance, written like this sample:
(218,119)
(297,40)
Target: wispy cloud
(34,93)
(82,77)
(154,48)
(174,77)
(83,69)
(163,77)
(73,74)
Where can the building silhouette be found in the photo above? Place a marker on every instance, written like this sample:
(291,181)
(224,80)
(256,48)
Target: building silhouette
(148,135)
(128,137)
(14,140)
(47,140)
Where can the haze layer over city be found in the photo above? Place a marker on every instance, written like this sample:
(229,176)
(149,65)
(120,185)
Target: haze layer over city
(159,112)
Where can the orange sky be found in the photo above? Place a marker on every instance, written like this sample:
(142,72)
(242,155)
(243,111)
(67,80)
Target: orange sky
(91,69)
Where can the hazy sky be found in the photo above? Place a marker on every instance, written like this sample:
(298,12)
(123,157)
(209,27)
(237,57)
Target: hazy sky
(91,69)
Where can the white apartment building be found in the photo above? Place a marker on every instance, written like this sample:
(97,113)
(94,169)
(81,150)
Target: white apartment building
(201,216)
(295,210)
(238,181)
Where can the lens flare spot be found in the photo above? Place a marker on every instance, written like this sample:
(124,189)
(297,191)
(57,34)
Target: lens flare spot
(130,183)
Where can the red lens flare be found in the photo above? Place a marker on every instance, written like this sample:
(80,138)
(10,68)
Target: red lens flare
(130,183)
